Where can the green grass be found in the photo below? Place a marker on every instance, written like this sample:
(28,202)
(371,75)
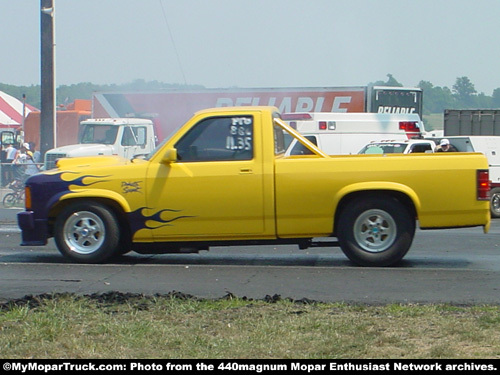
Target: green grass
(173,326)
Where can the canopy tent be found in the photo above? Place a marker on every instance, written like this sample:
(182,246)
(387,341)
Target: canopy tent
(11,110)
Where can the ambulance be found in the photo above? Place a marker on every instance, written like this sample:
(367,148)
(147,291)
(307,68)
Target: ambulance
(347,133)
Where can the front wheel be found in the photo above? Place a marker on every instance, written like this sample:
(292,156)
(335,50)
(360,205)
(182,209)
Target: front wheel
(375,231)
(87,232)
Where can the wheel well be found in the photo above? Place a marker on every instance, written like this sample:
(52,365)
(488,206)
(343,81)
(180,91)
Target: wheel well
(108,203)
(386,194)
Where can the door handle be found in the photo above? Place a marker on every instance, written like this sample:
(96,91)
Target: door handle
(246,171)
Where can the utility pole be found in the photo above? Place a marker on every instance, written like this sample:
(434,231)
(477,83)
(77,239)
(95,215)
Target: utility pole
(47,59)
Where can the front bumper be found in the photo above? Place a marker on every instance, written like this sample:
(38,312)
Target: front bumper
(34,232)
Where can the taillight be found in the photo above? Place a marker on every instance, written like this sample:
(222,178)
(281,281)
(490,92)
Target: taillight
(409,126)
(483,185)
(327,125)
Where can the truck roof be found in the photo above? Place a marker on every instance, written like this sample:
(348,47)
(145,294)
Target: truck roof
(117,121)
(405,141)
(238,109)
(351,116)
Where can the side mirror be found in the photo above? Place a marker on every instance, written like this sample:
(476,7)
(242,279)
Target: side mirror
(170,156)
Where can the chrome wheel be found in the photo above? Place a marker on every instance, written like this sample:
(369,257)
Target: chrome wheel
(375,231)
(84,232)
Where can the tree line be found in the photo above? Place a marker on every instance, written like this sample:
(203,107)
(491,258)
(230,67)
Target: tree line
(462,94)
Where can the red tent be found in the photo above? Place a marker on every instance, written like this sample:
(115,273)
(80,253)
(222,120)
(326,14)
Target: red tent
(11,111)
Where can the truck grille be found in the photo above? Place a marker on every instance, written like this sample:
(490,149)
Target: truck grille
(50,160)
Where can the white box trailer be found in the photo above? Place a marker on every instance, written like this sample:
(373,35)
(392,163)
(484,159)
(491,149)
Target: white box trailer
(348,133)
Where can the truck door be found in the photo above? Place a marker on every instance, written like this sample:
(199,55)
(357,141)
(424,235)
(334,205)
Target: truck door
(215,189)
(134,141)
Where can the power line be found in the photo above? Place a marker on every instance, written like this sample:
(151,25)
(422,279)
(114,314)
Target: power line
(173,42)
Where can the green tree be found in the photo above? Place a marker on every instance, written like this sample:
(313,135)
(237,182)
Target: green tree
(495,98)
(391,82)
(464,91)
(436,98)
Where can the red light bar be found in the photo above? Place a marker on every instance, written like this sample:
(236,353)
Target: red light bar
(295,116)
(409,126)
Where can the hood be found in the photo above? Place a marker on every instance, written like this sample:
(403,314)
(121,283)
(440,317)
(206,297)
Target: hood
(91,161)
(90,149)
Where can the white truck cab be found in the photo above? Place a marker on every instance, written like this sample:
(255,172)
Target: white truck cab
(125,137)
(402,146)
(347,133)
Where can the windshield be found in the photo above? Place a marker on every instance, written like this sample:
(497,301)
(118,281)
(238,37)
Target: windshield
(105,134)
(383,148)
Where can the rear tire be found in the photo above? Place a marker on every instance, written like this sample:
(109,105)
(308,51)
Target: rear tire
(375,231)
(87,232)
(495,202)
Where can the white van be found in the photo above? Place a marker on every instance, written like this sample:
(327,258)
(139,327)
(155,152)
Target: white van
(347,133)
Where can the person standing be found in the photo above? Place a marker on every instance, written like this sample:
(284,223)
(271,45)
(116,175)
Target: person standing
(10,155)
(36,153)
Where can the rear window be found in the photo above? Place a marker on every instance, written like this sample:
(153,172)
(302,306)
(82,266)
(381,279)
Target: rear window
(300,149)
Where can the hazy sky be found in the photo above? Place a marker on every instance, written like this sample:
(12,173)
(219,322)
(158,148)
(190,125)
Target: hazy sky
(257,43)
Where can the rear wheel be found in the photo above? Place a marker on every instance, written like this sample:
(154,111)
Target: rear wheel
(87,232)
(495,202)
(375,231)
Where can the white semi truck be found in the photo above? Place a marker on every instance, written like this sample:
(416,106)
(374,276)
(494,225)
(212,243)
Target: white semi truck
(108,136)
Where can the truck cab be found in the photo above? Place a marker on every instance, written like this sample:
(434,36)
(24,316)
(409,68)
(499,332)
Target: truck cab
(124,137)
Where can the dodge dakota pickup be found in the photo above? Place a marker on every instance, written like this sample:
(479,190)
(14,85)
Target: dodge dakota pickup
(224,179)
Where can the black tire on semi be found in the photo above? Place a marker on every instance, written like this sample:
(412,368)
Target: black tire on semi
(495,202)
(87,232)
(375,231)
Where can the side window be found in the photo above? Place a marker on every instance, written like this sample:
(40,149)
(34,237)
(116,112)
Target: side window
(280,140)
(218,139)
(300,149)
(141,135)
(134,136)
(420,148)
(128,137)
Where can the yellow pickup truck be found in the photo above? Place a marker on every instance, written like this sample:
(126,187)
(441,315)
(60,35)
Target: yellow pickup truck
(224,179)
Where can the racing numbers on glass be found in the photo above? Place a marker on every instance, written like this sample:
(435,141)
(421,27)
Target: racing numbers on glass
(240,134)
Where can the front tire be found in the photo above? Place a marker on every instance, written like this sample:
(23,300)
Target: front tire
(375,231)
(87,232)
